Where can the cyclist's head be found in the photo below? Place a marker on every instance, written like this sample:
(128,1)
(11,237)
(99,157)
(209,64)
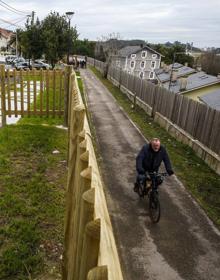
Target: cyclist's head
(155,144)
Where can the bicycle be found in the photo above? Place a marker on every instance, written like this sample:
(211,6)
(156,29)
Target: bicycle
(149,187)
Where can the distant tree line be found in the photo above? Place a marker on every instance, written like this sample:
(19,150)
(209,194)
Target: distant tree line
(84,47)
(168,50)
(210,63)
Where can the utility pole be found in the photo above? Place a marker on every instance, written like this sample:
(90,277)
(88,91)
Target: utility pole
(32,18)
(171,73)
(174,59)
(16,43)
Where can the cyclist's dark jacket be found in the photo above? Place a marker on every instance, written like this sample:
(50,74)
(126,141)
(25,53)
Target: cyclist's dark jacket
(149,160)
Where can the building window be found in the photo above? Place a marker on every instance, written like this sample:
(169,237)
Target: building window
(144,54)
(142,64)
(133,55)
(132,64)
(154,56)
(151,75)
(118,63)
(153,64)
(141,75)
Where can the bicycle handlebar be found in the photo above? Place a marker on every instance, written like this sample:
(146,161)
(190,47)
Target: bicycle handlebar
(163,174)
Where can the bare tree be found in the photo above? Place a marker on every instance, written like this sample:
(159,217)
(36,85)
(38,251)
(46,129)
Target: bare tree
(210,63)
(107,48)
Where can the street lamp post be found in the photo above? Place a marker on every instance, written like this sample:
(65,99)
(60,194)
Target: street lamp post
(69,15)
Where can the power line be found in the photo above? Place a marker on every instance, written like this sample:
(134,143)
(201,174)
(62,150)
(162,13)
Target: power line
(11,23)
(15,22)
(11,9)
(24,12)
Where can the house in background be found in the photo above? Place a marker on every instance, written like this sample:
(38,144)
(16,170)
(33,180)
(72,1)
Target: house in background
(212,99)
(176,70)
(5,36)
(138,60)
(190,82)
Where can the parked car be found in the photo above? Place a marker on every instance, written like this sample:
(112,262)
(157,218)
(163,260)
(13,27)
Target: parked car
(22,65)
(18,60)
(9,59)
(40,65)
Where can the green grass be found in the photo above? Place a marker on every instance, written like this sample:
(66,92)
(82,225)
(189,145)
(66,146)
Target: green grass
(47,99)
(81,88)
(196,175)
(32,197)
(32,185)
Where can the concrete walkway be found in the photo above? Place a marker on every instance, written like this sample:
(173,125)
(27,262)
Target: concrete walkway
(185,244)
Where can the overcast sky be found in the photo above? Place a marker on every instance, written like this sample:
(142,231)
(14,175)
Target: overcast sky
(154,21)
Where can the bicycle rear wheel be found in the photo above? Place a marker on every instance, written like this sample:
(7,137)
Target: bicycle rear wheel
(154,207)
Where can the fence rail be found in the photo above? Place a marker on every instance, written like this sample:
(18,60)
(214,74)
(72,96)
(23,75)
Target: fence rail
(90,249)
(199,120)
(32,92)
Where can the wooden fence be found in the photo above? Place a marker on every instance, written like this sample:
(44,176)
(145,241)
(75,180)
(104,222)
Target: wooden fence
(199,120)
(34,92)
(89,250)
(97,64)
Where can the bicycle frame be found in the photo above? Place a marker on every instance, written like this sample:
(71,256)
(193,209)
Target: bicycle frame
(152,193)
(153,176)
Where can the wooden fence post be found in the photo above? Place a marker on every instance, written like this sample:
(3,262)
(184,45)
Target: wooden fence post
(98,273)
(73,96)
(74,171)
(3,109)
(77,122)
(90,251)
(22,92)
(15,92)
(119,82)
(8,93)
(68,71)
(86,216)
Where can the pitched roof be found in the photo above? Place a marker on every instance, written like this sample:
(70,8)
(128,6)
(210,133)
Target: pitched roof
(126,51)
(194,81)
(212,99)
(5,33)
(180,69)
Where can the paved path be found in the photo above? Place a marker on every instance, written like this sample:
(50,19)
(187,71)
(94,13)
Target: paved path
(184,245)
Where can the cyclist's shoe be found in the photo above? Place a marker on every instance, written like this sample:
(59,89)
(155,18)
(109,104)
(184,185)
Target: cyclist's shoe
(136,187)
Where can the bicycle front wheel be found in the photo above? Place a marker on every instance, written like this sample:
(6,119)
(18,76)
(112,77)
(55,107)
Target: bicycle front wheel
(154,207)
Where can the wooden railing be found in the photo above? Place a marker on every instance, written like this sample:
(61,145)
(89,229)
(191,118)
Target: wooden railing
(33,92)
(90,249)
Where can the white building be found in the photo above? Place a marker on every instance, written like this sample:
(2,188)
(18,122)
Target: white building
(139,61)
(5,36)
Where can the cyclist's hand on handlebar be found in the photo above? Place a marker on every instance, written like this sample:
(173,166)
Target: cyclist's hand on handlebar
(170,172)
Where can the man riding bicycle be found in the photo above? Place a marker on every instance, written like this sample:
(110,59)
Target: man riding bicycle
(149,159)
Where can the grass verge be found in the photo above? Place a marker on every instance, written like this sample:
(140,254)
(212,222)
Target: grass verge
(32,198)
(196,175)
